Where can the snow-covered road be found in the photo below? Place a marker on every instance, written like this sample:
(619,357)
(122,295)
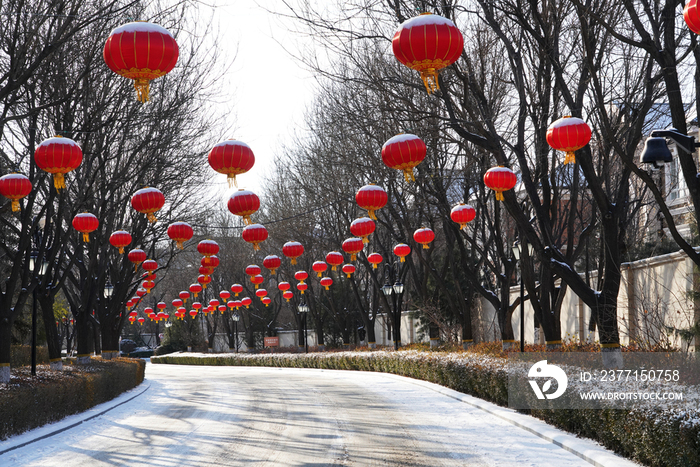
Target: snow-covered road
(227,416)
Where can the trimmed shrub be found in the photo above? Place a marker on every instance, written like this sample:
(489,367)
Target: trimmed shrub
(21,355)
(656,438)
(53,395)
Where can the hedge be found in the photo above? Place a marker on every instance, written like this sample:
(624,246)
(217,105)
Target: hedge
(21,355)
(655,438)
(53,395)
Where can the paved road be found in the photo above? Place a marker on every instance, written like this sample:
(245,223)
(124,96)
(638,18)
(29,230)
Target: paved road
(229,416)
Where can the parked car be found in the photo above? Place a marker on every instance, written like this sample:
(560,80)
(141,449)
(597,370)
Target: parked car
(126,346)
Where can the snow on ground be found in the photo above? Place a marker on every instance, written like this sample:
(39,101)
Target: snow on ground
(194,415)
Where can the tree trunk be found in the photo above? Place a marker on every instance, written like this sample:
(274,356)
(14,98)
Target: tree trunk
(53,339)
(5,349)
(82,339)
(507,335)
(110,340)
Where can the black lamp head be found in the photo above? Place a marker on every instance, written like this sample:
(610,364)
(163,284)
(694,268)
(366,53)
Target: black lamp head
(656,151)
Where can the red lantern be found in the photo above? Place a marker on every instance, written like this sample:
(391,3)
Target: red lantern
(363,228)
(260,293)
(301,276)
(210,261)
(141,320)
(140,292)
(301,287)
(319,267)
(231,304)
(569,134)
(236,289)
(237,304)
(253,270)
(196,305)
(162,305)
(353,246)
(148,201)
(255,234)
(85,223)
(15,187)
(195,289)
(208,247)
(348,269)
(184,295)
(500,179)
(225,295)
(293,250)
(375,259)
(246,301)
(404,152)
(244,203)
(257,280)
(214,302)
(142,52)
(231,158)
(204,280)
(137,257)
(371,197)
(272,262)
(692,16)
(148,285)
(193,313)
(120,239)
(266,300)
(58,156)
(150,265)
(428,43)
(402,250)
(462,214)
(424,236)
(287,294)
(177,303)
(283,286)
(148,276)
(221,308)
(335,259)
(206,271)
(180,232)
(326,282)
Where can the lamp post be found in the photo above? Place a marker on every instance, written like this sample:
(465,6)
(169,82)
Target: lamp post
(109,290)
(394,292)
(235,319)
(304,309)
(517,250)
(33,258)
(656,150)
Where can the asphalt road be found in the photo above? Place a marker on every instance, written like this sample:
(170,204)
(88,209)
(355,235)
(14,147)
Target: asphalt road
(229,416)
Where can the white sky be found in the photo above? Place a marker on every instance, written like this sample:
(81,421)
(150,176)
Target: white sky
(270,88)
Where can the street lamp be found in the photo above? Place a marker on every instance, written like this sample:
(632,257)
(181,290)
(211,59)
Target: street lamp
(109,290)
(235,319)
(517,249)
(656,150)
(304,309)
(33,258)
(394,292)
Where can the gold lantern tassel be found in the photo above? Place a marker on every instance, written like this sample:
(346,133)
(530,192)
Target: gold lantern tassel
(86,237)
(462,226)
(320,273)
(294,261)
(374,266)
(195,294)
(570,157)
(353,257)
(273,271)
(499,196)
(15,205)
(246,220)
(327,287)
(142,87)
(232,180)
(179,244)
(302,292)
(430,79)
(334,268)
(151,217)
(408,175)
(349,274)
(365,240)
(403,259)
(59,181)
(121,250)
(204,286)
(256,247)
(371,214)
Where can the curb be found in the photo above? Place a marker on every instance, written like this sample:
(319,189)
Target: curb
(67,423)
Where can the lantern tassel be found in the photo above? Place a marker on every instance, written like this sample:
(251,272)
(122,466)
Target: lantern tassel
(462,226)
(365,240)
(86,237)
(403,260)
(294,261)
(425,246)
(142,87)
(232,181)
(499,196)
(246,220)
(349,274)
(408,175)
(256,247)
(320,274)
(121,250)
(59,181)
(180,245)
(430,79)
(570,157)
(372,215)
(374,266)
(302,292)
(353,257)
(15,205)
(273,271)
(151,217)
(195,294)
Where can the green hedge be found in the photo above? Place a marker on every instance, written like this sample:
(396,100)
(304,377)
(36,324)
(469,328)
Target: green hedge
(661,438)
(55,395)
